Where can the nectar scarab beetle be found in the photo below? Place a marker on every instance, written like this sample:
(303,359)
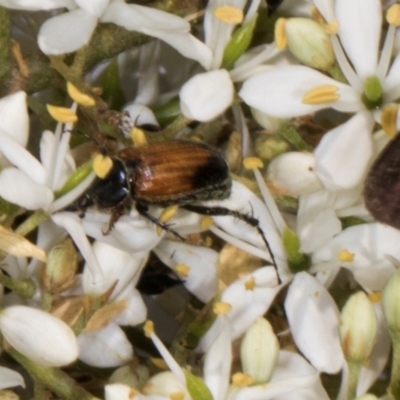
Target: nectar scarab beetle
(177,172)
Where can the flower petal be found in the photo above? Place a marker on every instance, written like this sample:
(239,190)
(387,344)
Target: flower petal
(280,91)
(314,321)
(10,378)
(67,32)
(29,5)
(94,7)
(18,188)
(201,261)
(344,153)
(360,23)
(207,95)
(105,348)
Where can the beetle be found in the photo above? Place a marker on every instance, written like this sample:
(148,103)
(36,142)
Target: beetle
(177,172)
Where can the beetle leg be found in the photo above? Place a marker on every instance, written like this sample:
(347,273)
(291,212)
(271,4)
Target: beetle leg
(116,213)
(143,210)
(221,211)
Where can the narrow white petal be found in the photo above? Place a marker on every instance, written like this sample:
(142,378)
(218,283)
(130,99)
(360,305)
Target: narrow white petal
(391,83)
(105,348)
(94,7)
(280,91)
(10,378)
(39,336)
(207,95)
(36,5)
(20,189)
(360,24)
(314,322)
(14,119)
(344,153)
(67,32)
(21,158)
(141,114)
(217,363)
(135,311)
(201,261)
(326,8)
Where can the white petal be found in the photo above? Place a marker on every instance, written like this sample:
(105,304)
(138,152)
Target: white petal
(94,7)
(141,114)
(371,264)
(21,158)
(317,222)
(217,362)
(202,278)
(10,378)
(14,119)
(206,95)
(105,348)
(32,5)
(18,188)
(294,172)
(67,32)
(117,391)
(344,153)
(279,92)
(391,83)
(326,8)
(360,24)
(39,336)
(117,266)
(314,321)
(135,311)
(140,18)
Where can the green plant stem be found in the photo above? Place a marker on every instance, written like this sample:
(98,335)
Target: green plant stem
(394,385)
(32,222)
(354,369)
(5,53)
(53,378)
(25,288)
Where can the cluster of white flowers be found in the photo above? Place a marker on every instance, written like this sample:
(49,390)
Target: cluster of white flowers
(335,55)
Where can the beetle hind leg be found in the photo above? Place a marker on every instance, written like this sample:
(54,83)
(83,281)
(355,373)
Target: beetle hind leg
(143,211)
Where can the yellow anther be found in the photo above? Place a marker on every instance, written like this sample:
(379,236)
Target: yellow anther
(221,308)
(332,28)
(345,256)
(321,94)
(177,396)
(389,119)
(159,363)
(250,284)
(393,15)
(102,165)
(79,97)
(138,137)
(62,114)
(182,270)
(280,34)
(253,163)
(375,297)
(240,379)
(229,14)
(206,222)
(208,241)
(168,213)
(148,328)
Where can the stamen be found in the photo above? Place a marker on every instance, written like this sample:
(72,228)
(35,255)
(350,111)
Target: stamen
(138,137)
(221,308)
(393,15)
(321,94)
(206,222)
(250,284)
(182,270)
(148,328)
(280,34)
(375,297)
(102,165)
(389,119)
(229,14)
(240,379)
(332,28)
(79,97)
(61,114)
(252,163)
(345,256)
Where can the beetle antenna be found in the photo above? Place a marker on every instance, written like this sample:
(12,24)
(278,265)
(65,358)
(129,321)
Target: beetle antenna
(101,147)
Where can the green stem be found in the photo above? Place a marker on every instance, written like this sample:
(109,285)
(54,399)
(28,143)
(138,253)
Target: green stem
(354,370)
(25,288)
(54,379)
(5,53)
(32,222)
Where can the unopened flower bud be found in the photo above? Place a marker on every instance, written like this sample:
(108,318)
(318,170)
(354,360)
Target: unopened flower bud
(391,302)
(39,336)
(62,263)
(166,384)
(358,328)
(309,43)
(259,351)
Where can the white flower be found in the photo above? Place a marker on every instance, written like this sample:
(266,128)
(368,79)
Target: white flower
(10,378)
(344,153)
(39,336)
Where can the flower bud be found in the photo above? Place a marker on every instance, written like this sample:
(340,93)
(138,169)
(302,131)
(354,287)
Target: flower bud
(39,336)
(166,384)
(391,302)
(358,328)
(309,43)
(259,351)
(62,263)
